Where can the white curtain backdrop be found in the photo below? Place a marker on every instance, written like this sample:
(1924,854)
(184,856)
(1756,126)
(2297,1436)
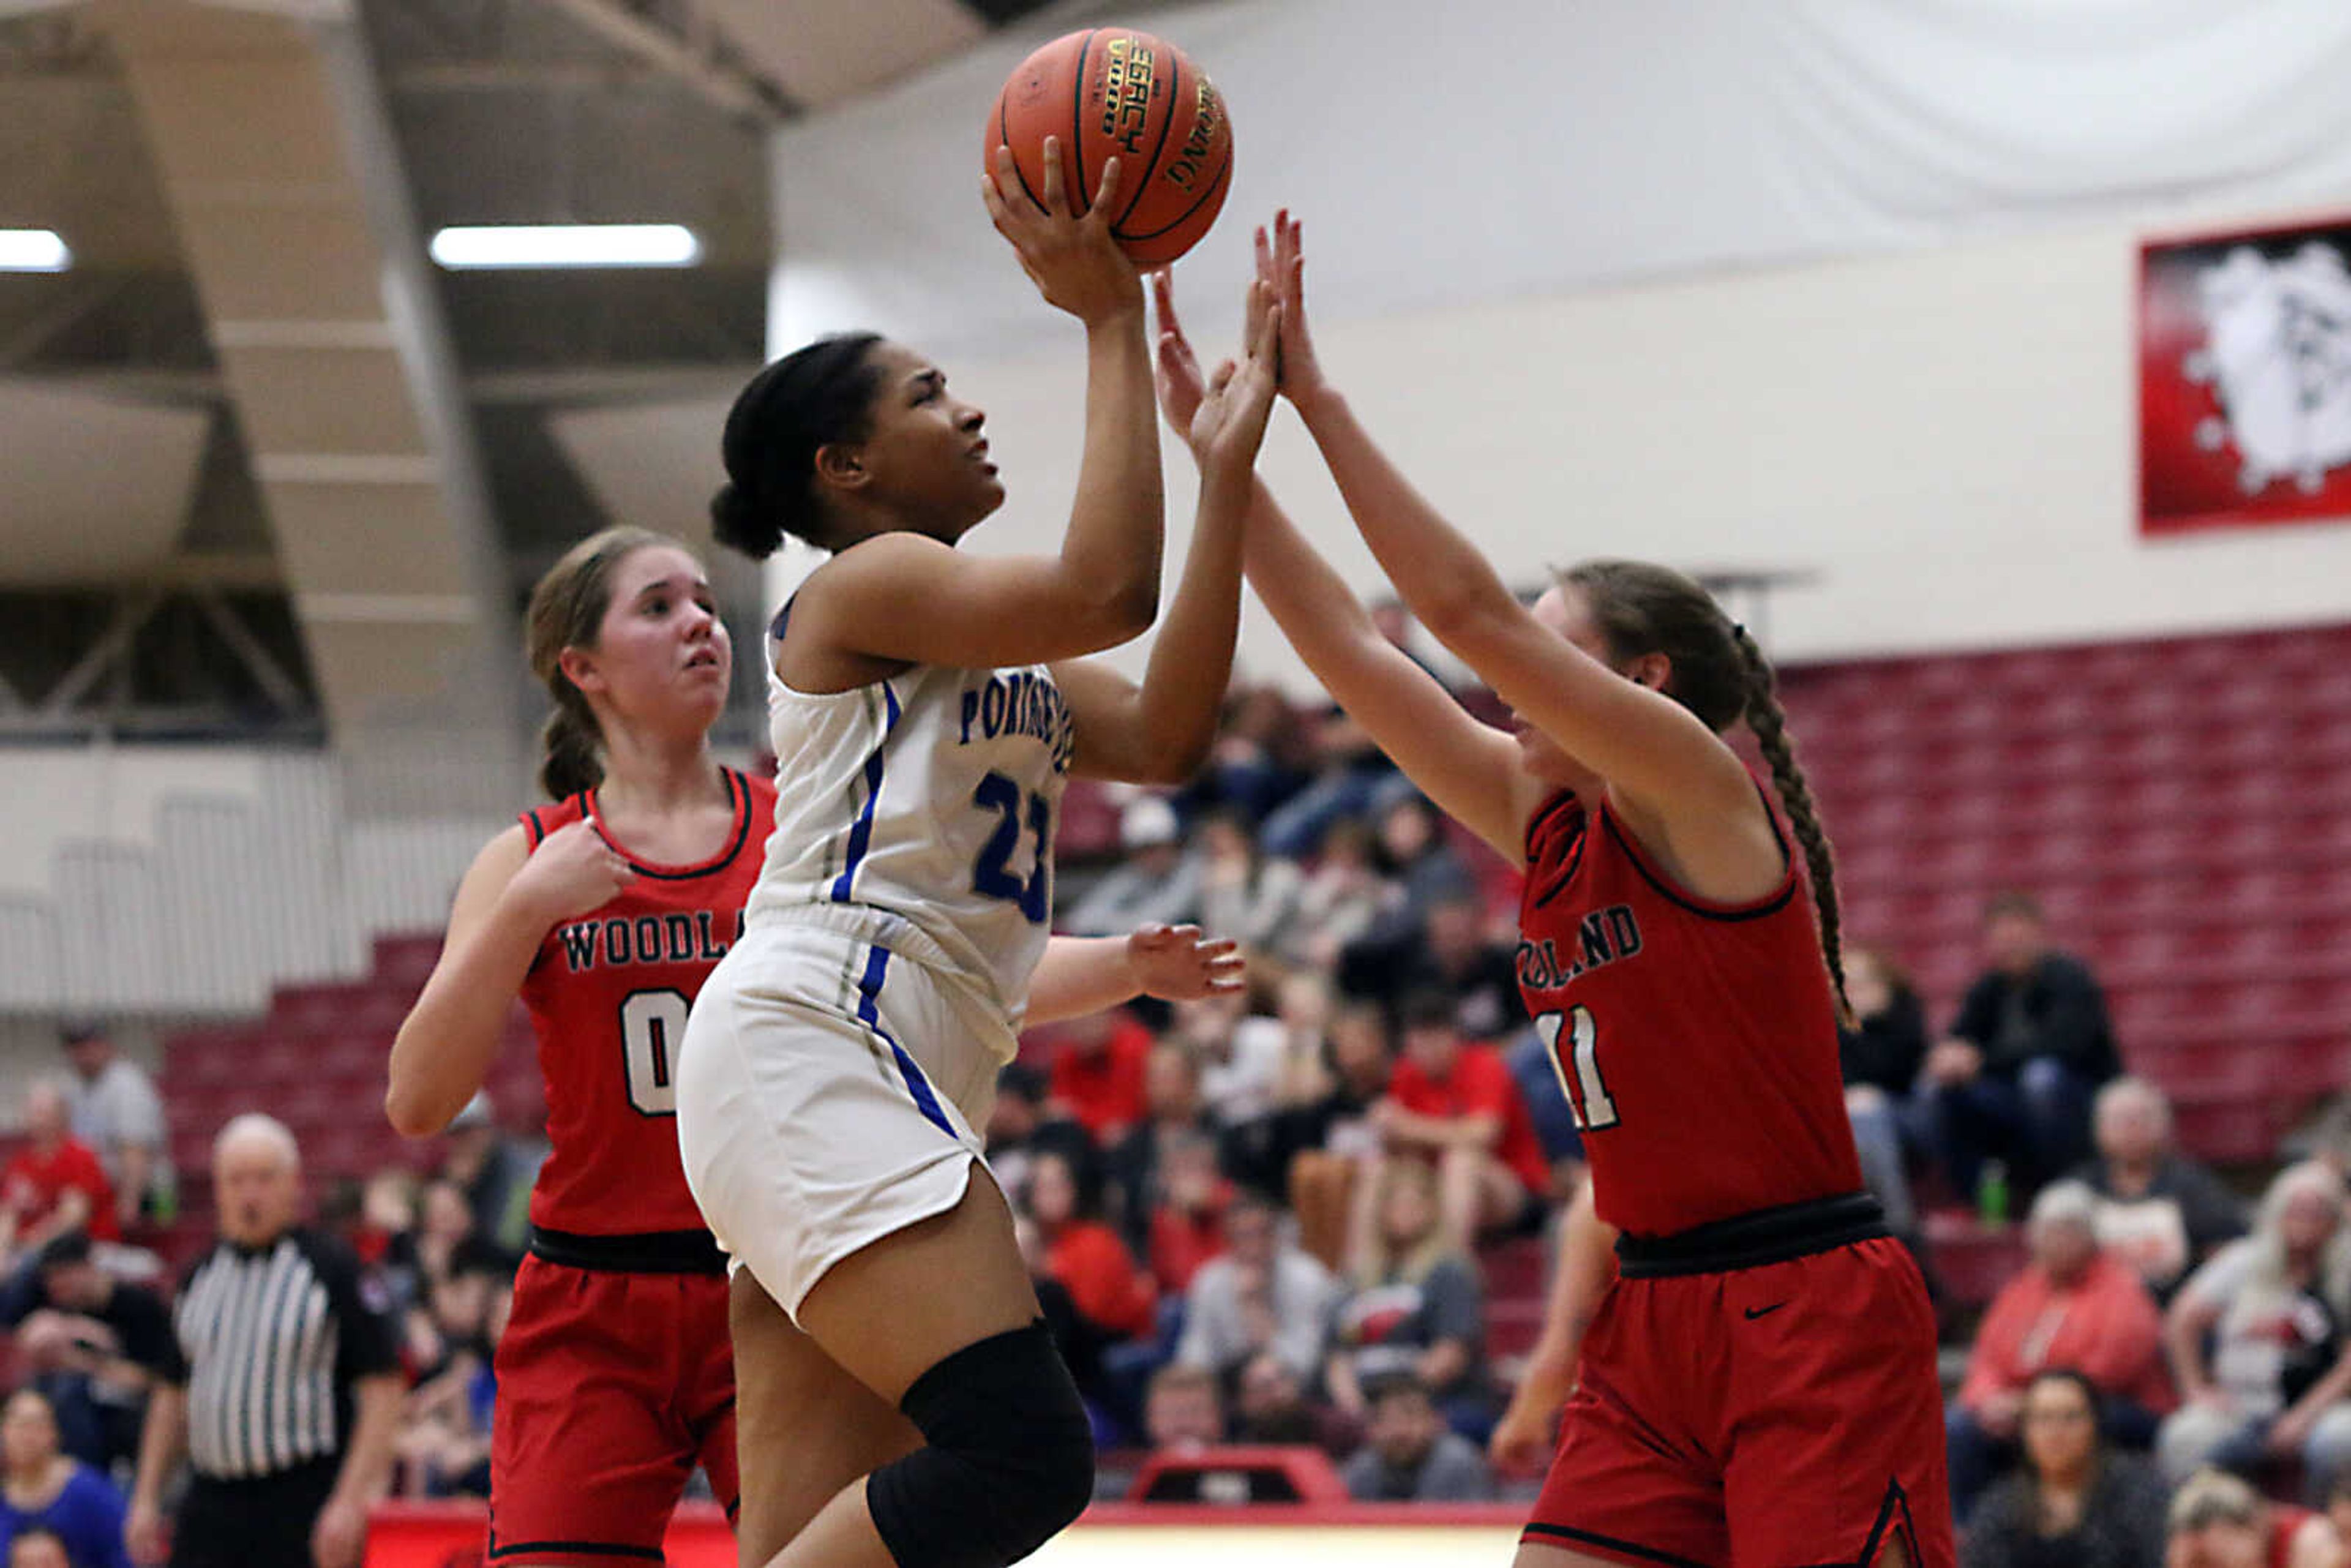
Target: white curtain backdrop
(1497,148)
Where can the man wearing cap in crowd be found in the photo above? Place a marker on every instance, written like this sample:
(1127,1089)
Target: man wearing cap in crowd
(494,1172)
(116,1111)
(1157,884)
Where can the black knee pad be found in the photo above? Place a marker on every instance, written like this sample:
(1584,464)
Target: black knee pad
(1011,1458)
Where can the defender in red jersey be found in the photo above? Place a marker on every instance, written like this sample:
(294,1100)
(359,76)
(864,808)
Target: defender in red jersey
(1757,1384)
(604,913)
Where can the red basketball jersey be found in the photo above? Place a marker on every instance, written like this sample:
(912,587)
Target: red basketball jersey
(1696,1041)
(608,998)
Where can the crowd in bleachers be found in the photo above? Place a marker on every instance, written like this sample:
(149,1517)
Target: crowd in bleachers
(1299,1217)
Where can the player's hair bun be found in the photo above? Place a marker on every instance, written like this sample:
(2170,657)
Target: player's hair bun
(804,401)
(741,524)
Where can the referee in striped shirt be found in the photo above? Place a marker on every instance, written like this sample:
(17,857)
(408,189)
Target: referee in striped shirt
(283,1388)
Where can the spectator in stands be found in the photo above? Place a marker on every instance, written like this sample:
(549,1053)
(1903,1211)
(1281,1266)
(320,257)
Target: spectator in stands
(2072,1307)
(2274,1305)
(444,1448)
(1182,1412)
(1113,1295)
(1415,1307)
(1412,841)
(1338,1141)
(382,1234)
(1451,948)
(115,1110)
(2030,1046)
(43,1488)
(2163,1213)
(1245,1068)
(1258,760)
(1881,1051)
(1349,773)
(1261,1295)
(272,1312)
(1172,1108)
(1454,1103)
(1158,883)
(1271,1405)
(1024,1123)
(1303,1005)
(93,1345)
(446,1241)
(1097,1072)
(1345,895)
(2217,1522)
(55,1184)
(495,1170)
(1078,1340)
(1186,1223)
(1241,1055)
(2075,1502)
(1245,893)
(1409,1455)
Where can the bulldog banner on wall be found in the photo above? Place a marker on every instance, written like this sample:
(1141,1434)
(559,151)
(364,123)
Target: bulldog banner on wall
(2245,380)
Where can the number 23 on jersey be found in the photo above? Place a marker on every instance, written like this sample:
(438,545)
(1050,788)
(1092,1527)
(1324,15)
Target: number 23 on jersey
(1586,1091)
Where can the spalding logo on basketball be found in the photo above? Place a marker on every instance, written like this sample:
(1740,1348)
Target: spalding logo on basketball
(1112,92)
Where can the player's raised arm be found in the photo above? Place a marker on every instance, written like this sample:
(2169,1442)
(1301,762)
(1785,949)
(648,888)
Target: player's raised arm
(1160,731)
(1470,768)
(858,441)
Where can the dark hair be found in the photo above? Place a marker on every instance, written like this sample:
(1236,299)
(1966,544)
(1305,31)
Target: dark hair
(806,399)
(1386,1386)
(2012,902)
(2076,1377)
(64,1249)
(1429,1006)
(567,610)
(1021,1081)
(1719,675)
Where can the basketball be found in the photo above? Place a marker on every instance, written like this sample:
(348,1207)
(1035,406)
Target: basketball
(1113,93)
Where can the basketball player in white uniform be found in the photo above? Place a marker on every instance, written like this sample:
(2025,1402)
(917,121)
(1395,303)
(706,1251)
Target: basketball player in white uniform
(899,1400)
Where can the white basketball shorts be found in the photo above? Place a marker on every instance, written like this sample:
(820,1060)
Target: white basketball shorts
(829,1093)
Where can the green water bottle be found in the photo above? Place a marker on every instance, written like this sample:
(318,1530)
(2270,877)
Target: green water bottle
(1991,1193)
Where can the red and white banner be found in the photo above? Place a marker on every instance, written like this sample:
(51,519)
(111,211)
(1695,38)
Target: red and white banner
(2245,379)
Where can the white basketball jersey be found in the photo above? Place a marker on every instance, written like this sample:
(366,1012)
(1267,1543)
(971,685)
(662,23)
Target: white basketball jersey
(918,812)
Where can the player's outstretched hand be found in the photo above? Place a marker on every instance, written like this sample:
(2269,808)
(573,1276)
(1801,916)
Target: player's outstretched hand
(573,872)
(1177,963)
(1228,427)
(1281,266)
(1180,384)
(1073,261)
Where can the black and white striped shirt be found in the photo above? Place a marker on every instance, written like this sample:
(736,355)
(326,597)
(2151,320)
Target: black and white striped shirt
(268,1341)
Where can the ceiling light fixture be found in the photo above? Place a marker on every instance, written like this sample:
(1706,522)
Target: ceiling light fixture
(33,250)
(567,244)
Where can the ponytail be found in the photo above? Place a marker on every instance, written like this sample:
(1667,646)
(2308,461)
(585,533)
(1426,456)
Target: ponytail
(1770,723)
(571,749)
(567,610)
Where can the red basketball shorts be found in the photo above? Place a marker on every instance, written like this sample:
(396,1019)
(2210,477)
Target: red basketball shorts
(1784,1415)
(611,1388)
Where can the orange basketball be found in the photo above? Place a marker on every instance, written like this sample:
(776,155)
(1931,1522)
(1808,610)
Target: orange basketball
(1114,92)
